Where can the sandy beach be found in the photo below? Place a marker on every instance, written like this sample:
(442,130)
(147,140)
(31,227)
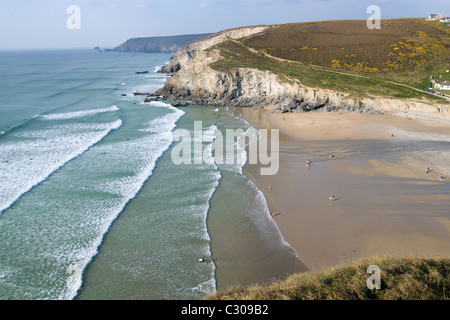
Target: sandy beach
(386,202)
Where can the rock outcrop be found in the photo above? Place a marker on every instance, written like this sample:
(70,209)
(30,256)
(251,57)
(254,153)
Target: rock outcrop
(181,57)
(195,81)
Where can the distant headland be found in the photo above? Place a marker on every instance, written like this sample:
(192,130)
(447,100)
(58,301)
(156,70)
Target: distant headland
(168,44)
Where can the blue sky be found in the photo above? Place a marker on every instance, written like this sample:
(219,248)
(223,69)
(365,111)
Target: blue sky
(108,23)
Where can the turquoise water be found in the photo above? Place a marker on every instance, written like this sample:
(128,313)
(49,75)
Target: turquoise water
(92,205)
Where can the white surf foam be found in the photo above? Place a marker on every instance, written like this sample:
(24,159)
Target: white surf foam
(249,134)
(142,164)
(28,162)
(164,123)
(78,114)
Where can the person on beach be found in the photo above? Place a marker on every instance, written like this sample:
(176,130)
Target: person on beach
(441,177)
(428,170)
(332,198)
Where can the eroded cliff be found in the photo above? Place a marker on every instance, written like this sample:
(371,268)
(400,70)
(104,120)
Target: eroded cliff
(194,80)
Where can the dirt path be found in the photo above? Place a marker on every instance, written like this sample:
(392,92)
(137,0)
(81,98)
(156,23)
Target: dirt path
(340,72)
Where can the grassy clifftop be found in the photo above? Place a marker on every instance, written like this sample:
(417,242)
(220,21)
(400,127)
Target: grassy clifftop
(395,61)
(401,45)
(401,278)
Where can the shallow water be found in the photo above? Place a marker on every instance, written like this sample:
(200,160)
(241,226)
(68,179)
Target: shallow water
(92,204)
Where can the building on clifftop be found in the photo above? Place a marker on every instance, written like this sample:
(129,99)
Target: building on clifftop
(442,85)
(434,17)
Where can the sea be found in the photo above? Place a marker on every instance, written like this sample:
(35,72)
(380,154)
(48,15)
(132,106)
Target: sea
(92,205)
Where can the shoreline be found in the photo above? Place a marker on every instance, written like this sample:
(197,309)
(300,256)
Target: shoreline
(386,204)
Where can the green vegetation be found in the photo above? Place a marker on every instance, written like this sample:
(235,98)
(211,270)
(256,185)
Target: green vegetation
(401,279)
(346,56)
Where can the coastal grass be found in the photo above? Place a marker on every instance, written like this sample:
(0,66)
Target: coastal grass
(402,50)
(238,56)
(402,278)
(345,56)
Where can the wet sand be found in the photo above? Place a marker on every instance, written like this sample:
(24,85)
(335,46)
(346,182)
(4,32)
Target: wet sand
(385,202)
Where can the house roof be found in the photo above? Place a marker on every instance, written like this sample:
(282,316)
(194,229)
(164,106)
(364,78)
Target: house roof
(435,15)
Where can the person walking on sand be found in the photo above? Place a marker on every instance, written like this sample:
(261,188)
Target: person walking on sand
(428,170)
(332,198)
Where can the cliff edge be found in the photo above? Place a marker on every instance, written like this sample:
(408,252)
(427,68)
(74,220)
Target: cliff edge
(223,70)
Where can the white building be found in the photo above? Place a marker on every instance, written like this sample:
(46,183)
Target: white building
(442,85)
(434,17)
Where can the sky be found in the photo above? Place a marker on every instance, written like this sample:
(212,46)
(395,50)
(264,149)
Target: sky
(29,24)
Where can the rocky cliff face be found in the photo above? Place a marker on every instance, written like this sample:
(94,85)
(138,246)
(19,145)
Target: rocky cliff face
(181,57)
(197,82)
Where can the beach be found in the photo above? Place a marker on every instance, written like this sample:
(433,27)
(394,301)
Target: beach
(375,167)
(93,205)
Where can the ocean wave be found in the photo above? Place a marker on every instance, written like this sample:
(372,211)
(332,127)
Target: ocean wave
(128,187)
(78,114)
(167,122)
(19,125)
(242,140)
(27,163)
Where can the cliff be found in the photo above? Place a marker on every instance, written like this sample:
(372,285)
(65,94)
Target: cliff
(197,82)
(159,44)
(181,57)
(222,71)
